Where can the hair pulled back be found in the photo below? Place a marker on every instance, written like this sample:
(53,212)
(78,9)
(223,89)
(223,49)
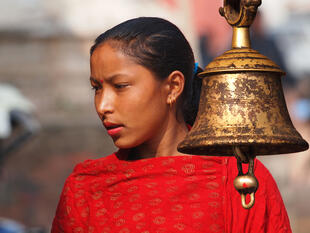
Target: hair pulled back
(160,46)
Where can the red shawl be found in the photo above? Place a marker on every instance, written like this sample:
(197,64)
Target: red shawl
(166,194)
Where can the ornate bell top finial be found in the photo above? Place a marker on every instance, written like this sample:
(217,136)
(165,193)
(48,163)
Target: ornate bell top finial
(240,13)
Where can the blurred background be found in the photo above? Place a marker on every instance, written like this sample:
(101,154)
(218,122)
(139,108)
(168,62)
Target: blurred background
(47,118)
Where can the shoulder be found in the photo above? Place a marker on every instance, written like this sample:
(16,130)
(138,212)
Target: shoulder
(72,203)
(94,166)
(90,169)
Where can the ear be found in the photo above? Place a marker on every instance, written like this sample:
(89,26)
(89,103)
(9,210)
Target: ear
(175,83)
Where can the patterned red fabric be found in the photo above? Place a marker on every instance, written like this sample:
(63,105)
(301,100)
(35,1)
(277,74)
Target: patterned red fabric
(166,194)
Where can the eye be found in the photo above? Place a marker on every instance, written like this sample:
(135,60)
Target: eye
(121,85)
(95,87)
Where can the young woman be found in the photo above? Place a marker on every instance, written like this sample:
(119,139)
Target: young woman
(146,95)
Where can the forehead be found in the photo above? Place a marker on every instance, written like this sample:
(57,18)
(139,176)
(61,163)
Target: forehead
(107,55)
(109,61)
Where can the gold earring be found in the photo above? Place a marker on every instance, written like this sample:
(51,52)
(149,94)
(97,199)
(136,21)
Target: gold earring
(170,102)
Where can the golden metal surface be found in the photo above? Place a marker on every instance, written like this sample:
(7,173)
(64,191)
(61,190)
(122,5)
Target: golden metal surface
(245,181)
(245,184)
(242,102)
(240,13)
(245,109)
(240,155)
(242,110)
(240,60)
(243,201)
(241,37)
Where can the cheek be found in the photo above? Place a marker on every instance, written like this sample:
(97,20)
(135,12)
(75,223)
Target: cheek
(145,101)
(145,109)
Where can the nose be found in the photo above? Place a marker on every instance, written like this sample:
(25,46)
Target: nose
(104,103)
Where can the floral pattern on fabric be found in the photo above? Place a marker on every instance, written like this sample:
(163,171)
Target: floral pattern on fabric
(166,194)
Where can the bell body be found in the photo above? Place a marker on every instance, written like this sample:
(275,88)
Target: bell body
(242,104)
(242,110)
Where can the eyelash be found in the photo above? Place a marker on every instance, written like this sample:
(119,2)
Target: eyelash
(95,88)
(120,86)
(116,86)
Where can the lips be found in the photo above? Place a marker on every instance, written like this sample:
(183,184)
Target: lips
(112,128)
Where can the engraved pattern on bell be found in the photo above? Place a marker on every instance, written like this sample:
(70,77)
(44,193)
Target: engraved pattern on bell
(246,109)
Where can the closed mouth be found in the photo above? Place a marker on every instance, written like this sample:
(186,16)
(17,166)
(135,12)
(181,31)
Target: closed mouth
(110,126)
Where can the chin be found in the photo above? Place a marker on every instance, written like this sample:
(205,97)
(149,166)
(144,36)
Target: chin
(121,143)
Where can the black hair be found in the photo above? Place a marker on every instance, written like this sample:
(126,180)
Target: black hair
(160,46)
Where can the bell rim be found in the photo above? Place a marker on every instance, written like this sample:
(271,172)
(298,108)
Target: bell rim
(256,148)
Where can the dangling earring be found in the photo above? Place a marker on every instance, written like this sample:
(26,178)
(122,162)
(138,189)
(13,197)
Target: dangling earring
(171,102)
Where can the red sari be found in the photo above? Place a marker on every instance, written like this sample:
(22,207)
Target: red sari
(166,194)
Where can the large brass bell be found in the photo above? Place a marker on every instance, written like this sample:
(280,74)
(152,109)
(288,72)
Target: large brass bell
(242,110)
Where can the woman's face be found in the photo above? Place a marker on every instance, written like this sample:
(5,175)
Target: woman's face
(129,100)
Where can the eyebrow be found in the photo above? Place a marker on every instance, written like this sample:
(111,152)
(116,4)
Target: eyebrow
(109,78)
(94,80)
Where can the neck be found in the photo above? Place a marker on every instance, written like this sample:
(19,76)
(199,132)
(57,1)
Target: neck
(165,144)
